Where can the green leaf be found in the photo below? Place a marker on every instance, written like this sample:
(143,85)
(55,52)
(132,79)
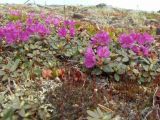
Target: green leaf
(2,73)
(151,66)
(91,118)
(32,46)
(145,74)
(5,77)
(107,117)
(113,55)
(116,77)
(146,61)
(135,71)
(22,113)
(125,59)
(158,70)
(121,71)
(131,52)
(8,114)
(26,47)
(99,112)
(132,63)
(146,67)
(118,59)
(15,65)
(92,114)
(2,98)
(54,46)
(37,71)
(153,73)
(30,55)
(107,69)
(97,71)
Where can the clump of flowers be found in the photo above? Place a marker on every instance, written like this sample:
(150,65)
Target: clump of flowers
(103,52)
(12,32)
(15,13)
(98,48)
(137,42)
(67,28)
(90,58)
(62,32)
(53,21)
(39,28)
(20,32)
(100,39)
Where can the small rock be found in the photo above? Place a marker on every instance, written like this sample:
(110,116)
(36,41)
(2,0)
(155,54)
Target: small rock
(132,115)
(153,21)
(117,118)
(101,5)
(145,112)
(77,16)
(158,31)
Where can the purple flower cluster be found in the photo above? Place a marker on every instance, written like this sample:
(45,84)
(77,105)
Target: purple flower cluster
(35,23)
(101,38)
(103,52)
(67,28)
(90,58)
(51,20)
(99,43)
(19,31)
(38,28)
(69,23)
(137,42)
(12,32)
(15,13)
(62,32)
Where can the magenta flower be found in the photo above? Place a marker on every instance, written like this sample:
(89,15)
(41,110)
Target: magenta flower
(15,12)
(42,29)
(126,41)
(29,21)
(69,23)
(11,37)
(137,42)
(62,32)
(103,52)
(90,58)
(31,14)
(135,49)
(38,28)
(72,32)
(43,15)
(149,39)
(135,36)
(145,51)
(56,22)
(11,32)
(101,38)
(24,36)
(142,39)
(18,31)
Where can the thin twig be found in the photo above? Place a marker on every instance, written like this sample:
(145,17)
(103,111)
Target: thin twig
(26,1)
(153,106)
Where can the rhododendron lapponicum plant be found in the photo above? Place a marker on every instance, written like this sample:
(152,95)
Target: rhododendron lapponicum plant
(131,55)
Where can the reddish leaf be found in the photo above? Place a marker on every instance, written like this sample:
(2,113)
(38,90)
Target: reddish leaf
(47,73)
(61,73)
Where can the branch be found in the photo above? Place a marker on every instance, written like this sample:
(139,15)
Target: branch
(26,1)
